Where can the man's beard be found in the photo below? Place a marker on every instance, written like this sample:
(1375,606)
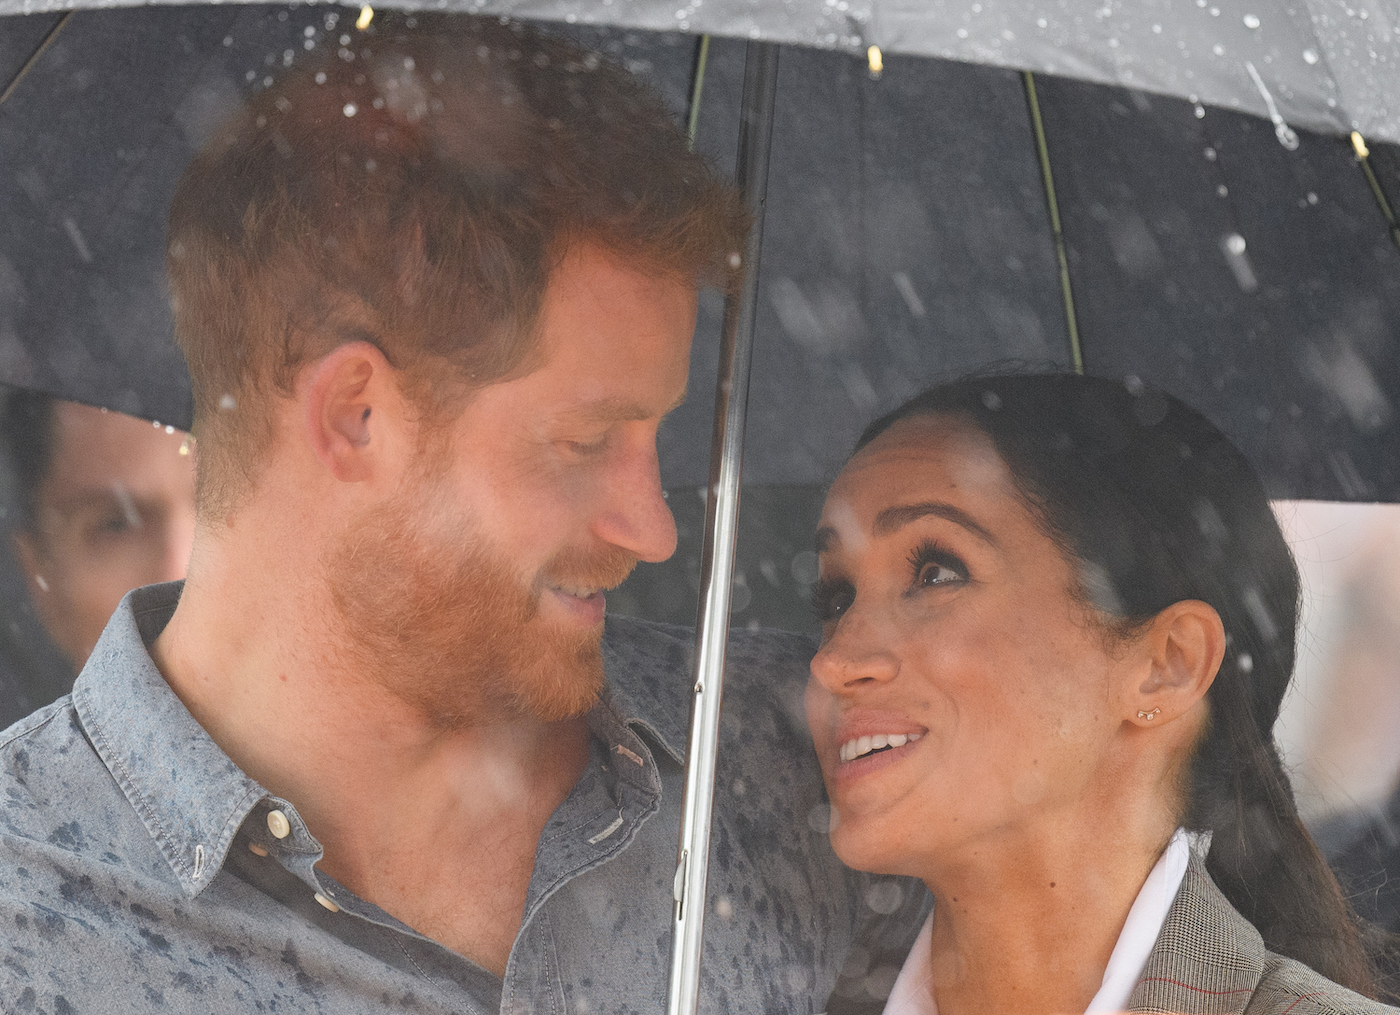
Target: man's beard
(446,626)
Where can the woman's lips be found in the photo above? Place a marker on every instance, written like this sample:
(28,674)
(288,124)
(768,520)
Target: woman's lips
(869,740)
(859,747)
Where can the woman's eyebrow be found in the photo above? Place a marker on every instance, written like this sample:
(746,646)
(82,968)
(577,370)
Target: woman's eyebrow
(892,519)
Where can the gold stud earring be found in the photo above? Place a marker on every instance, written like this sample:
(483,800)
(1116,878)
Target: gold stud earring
(1149,716)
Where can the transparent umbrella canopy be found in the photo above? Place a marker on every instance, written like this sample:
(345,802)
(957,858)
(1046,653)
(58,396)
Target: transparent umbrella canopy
(937,203)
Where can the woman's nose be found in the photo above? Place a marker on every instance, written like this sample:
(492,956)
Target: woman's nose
(857,654)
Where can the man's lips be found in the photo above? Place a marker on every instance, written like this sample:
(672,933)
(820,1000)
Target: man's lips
(587,605)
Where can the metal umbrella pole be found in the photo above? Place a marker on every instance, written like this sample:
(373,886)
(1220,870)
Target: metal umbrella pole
(721,529)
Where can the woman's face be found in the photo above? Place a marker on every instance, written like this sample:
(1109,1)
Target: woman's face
(952,637)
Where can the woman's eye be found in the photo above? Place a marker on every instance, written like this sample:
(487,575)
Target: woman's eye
(831,599)
(932,565)
(937,574)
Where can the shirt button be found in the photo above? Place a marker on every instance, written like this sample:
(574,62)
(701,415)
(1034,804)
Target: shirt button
(327,903)
(278,824)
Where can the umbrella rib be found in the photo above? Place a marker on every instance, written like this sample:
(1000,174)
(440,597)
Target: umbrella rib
(1076,354)
(34,56)
(697,87)
(1363,157)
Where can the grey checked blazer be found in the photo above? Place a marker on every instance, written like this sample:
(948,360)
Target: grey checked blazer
(1210,959)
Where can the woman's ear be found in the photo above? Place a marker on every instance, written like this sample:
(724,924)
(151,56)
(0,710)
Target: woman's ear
(1184,646)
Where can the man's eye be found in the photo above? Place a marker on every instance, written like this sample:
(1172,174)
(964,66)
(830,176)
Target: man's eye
(584,449)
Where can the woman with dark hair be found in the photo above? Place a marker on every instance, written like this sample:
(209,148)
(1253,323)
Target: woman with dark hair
(1058,621)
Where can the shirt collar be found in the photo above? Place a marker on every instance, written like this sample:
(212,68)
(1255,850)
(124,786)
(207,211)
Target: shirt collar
(192,797)
(188,793)
(648,666)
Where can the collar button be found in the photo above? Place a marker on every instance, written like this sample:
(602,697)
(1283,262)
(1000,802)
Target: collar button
(278,824)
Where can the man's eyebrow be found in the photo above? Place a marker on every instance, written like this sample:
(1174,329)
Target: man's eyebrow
(613,410)
(892,519)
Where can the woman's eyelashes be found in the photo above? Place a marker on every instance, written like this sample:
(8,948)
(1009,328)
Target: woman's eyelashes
(932,565)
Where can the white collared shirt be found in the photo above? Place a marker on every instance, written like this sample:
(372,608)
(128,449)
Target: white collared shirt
(913,990)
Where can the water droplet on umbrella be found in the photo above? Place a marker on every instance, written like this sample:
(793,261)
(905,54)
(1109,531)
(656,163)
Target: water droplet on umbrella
(1251,21)
(350,109)
(1310,56)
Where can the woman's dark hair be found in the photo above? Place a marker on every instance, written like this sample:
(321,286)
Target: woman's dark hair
(1156,506)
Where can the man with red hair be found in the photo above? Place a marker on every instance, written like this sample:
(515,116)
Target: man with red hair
(379,753)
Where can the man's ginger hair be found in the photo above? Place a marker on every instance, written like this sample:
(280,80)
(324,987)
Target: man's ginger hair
(415,190)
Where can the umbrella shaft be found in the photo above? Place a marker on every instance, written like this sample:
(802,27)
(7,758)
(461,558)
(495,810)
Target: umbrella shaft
(721,531)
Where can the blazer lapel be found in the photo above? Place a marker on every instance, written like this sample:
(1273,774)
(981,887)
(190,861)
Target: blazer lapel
(1208,960)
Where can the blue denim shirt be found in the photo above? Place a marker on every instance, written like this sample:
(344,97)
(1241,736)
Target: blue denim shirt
(138,871)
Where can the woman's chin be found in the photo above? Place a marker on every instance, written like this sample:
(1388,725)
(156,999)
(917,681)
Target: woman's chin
(870,844)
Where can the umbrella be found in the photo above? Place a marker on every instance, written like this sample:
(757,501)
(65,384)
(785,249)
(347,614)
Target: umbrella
(927,216)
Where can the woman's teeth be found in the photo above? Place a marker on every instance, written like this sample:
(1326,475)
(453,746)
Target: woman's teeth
(861,746)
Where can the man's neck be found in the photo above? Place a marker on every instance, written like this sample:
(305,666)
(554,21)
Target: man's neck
(436,826)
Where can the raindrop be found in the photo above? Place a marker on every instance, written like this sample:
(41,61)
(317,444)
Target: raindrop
(991,400)
(320,77)
(1312,197)
(1233,247)
(309,31)
(79,242)
(739,787)
(724,909)
(169,429)
(962,33)
(350,109)
(884,897)
(821,818)
(1246,663)
(1218,49)
(1200,111)
(1156,29)
(1222,191)
(1041,23)
(1210,155)
(1215,12)
(228,40)
(1310,56)
(1251,21)
(804,567)
(905,285)
(227,403)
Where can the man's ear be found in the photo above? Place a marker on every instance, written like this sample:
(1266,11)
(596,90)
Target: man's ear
(1184,645)
(352,402)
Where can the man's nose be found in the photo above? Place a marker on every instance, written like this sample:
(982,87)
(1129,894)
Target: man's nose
(635,516)
(860,652)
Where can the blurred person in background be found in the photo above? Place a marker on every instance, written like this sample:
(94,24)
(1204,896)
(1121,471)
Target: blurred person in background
(1058,621)
(104,504)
